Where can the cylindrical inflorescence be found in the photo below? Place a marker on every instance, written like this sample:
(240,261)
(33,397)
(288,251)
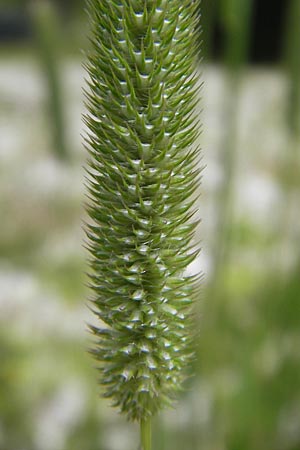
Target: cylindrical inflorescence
(142,176)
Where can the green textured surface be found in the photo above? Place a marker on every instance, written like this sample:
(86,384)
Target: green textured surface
(141,178)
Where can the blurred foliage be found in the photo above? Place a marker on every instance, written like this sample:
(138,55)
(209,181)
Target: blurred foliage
(291,51)
(48,38)
(208,11)
(15,424)
(71,5)
(12,3)
(235,18)
(267,363)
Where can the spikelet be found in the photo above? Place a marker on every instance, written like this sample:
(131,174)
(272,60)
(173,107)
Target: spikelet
(141,179)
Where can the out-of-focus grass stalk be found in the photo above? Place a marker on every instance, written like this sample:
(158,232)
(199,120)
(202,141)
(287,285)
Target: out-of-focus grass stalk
(290,177)
(208,11)
(235,15)
(292,64)
(48,42)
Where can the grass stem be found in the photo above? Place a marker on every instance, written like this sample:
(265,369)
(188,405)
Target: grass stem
(146,434)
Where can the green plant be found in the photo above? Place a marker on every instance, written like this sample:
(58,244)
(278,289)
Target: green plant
(292,65)
(209,13)
(47,38)
(143,173)
(235,18)
(289,173)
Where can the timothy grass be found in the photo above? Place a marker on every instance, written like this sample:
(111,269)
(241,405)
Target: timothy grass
(141,179)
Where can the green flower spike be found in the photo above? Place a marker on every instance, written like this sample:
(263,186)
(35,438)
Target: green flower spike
(143,172)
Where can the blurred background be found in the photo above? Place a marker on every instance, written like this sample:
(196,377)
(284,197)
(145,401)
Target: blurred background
(246,392)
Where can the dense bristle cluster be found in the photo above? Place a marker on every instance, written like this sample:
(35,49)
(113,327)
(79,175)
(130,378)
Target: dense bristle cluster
(142,177)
